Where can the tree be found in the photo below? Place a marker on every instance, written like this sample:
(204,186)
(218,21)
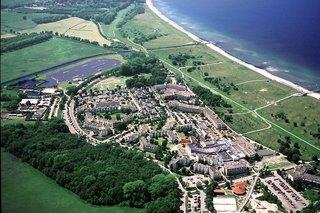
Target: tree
(136,193)
(24,17)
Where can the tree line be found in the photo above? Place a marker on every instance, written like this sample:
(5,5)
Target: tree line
(102,175)
(48,19)
(25,40)
(136,10)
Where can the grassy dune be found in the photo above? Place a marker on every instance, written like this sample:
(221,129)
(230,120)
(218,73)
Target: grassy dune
(25,189)
(44,55)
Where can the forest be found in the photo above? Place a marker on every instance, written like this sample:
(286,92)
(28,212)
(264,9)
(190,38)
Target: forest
(102,175)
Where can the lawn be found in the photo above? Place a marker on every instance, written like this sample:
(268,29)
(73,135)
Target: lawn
(25,189)
(44,55)
(73,26)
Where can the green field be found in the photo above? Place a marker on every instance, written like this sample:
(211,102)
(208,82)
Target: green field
(44,55)
(253,90)
(25,189)
(14,21)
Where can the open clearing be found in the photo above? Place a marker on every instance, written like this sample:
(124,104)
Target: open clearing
(19,180)
(73,26)
(110,83)
(44,55)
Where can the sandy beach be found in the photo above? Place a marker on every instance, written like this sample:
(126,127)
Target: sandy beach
(222,52)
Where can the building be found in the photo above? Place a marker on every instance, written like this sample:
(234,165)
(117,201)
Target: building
(214,172)
(239,188)
(175,164)
(146,146)
(225,204)
(246,147)
(305,173)
(236,167)
(200,168)
(30,101)
(214,119)
(184,107)
(39,113)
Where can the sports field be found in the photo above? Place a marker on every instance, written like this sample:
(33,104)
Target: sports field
(73,26)
(25,189)
(44,55)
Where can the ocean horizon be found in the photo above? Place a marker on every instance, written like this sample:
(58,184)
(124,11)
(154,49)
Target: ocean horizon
(280,37)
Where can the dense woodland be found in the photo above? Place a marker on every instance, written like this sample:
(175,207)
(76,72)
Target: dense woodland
(21,41)
(102,175)
(48,19)
(140,64)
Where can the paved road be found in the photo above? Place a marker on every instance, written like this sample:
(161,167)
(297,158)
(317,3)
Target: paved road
(249,193)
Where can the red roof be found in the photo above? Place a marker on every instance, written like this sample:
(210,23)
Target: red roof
(185,141)
(239,188)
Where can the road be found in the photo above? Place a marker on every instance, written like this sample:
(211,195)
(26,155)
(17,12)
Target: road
(249,193)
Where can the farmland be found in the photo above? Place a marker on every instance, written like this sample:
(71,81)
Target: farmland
(44,55)
(73,27)
(252,90)
(46,194)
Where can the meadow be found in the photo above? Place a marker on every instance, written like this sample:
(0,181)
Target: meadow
(253,90)
(73,26)
(25,189)
(44,55)
(15,21)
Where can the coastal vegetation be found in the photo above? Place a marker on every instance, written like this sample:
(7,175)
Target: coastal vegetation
(248,90)
(102,175)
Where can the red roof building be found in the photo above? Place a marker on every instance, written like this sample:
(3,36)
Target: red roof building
(239,188)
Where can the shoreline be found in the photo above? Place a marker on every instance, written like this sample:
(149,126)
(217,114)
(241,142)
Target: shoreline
(233,58)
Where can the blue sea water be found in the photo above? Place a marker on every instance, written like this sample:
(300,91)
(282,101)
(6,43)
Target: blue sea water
(281,36)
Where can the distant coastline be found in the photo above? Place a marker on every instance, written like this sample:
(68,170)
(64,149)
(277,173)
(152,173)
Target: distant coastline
(224,53)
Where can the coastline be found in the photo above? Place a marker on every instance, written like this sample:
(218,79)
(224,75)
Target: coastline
(227,55)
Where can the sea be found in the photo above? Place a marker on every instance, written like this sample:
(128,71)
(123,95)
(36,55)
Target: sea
(280,36)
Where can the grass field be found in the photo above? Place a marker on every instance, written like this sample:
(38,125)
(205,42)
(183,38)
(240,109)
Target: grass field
(73,26)
(44,55)
(15,21)
(25,189)
(254,90)
(170,36)
(110,83)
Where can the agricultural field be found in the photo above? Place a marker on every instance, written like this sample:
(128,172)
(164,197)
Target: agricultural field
(252,89)
(110,83)
(46,194)
(15,21)
(44,55)
(73,26)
